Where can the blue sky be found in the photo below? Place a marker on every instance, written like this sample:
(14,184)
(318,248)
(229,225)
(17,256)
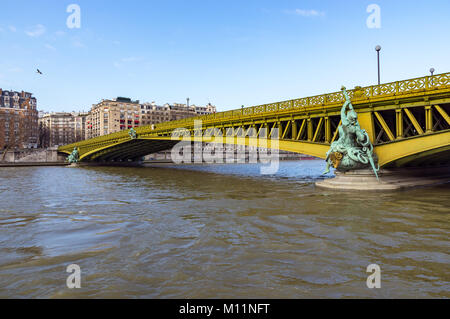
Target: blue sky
(226,52)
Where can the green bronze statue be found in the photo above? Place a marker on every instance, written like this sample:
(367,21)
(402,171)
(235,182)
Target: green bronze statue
(74,157)
(132,134)
(353,150)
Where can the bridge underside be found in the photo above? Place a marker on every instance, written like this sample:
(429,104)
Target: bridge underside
(408,123)
(132,150)
(435,157)
(426,150)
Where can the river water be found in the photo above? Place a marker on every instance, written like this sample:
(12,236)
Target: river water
(216,231)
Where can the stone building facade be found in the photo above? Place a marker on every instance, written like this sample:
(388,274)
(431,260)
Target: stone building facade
(154,114)
(80,122)
(110,116)
(61,128)
(18,120)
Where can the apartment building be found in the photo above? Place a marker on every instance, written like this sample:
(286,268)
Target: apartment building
(110,116)
(80,122)
(204,110)
(154,114)
(59,128)
(88,132)
(18,120)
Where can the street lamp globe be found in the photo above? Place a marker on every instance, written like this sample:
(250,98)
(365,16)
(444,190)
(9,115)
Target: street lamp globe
(432,71)
(378,48)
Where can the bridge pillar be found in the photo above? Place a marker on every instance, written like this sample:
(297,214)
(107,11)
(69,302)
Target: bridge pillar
(366,122)
(399,123)
(310,130)
(429,118)
(327,130)
(294,130)
(232,132)
(280,130)
(253,131)
(390,179)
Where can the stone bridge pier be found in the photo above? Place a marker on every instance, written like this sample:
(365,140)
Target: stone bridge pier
(389,179)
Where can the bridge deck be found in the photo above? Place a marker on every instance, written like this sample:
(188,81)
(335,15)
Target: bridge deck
(407,121)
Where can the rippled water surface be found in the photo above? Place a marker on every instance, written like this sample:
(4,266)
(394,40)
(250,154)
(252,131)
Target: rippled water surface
(221,231)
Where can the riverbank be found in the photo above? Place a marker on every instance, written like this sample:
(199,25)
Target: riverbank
(133,164)
(33,164)
(32,157)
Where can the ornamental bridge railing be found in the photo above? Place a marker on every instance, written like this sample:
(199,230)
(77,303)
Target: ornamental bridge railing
(371,93)
(377,93)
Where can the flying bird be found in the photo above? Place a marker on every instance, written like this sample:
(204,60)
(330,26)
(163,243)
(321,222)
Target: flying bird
(39,71)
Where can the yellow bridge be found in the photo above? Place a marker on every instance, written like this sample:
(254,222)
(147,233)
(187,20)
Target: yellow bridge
(407,121)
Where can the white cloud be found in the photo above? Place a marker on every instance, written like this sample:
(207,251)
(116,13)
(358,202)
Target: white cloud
(37,31)
(50,47)
(130,59)
(78,44)
(15,70)
(306,13)
(12,28)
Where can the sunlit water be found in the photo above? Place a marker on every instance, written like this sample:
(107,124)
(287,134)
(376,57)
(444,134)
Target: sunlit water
(218,231)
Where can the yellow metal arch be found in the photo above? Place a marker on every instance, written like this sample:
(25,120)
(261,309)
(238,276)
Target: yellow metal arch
(387,153)
(306,125)
(307,148)
(391,152)
(83,156)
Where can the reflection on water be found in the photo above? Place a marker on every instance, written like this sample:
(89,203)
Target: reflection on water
(218,231)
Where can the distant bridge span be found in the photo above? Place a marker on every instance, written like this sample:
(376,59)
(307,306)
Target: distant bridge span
(407,121)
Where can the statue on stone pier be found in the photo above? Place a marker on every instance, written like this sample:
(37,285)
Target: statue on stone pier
(132,134)
(353,150)
(74,157)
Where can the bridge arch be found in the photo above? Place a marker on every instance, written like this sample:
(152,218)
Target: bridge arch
(407,121)
(432,149)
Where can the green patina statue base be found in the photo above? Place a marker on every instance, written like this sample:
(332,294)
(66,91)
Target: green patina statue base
(353,150)
(74,157)
(133,134)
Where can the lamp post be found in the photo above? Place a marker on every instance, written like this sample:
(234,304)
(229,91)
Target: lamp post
(378,49)
(432,73)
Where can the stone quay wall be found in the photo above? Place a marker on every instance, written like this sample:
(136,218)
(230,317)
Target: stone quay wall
(32,156)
